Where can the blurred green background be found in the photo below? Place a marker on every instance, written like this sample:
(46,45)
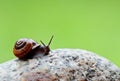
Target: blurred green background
(87,24)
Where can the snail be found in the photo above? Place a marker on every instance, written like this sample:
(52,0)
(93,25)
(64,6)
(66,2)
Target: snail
(25,48)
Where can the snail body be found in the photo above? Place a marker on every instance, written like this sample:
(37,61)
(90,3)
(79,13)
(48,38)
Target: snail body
(25,48)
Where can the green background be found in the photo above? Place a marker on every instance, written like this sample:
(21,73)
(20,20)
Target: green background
(87,24)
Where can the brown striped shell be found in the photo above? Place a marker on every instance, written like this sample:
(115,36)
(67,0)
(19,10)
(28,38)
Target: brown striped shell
(23,46)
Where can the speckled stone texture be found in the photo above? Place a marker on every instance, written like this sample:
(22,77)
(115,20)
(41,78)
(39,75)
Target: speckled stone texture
(61,65)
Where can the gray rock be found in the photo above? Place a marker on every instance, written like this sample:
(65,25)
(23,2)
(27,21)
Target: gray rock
(61,65)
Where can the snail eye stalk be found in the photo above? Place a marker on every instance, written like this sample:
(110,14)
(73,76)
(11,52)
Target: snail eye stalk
(48,43)
(43,43)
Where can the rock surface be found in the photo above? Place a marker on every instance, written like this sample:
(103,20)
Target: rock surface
(61,65)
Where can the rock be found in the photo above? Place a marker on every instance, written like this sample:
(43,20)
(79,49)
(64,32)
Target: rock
(61,65)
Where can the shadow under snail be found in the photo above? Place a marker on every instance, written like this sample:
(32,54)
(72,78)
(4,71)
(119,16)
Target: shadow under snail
(27,48)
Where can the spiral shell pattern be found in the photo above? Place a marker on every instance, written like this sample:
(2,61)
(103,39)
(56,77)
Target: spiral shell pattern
(23,46)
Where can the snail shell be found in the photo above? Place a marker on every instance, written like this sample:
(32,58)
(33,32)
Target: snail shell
(23,46)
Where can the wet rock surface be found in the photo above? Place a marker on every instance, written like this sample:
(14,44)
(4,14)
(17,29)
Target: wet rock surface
(61,65)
